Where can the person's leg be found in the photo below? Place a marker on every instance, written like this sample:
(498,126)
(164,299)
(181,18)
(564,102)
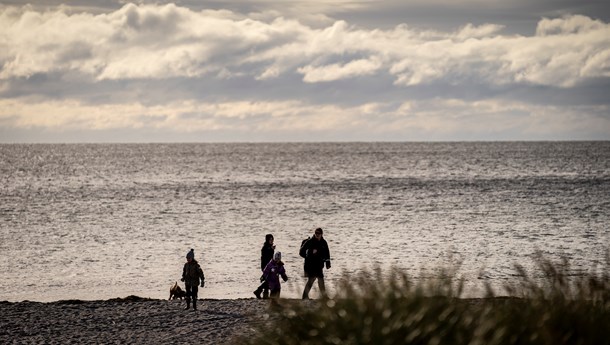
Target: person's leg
(308,286)
(275,296)
(322,287)
(188,296)
(259,289)
(265,290)
(195,291)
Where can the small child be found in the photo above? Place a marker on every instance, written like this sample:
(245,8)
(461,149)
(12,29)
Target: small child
(272,272)
(192,275)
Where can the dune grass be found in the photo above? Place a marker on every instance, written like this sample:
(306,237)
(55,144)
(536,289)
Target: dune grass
(376,308)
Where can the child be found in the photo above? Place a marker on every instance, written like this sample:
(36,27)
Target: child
(272,272)
(192,274)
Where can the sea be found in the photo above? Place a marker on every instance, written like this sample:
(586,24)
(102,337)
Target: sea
(100,221)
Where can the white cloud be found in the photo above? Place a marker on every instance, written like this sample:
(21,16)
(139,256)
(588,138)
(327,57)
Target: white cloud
(569,25)
(470,31)
(412,120)
(340,71)
(170,41)
(246,72)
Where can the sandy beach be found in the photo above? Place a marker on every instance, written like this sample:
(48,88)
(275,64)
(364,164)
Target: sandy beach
(130,320)
(136,320)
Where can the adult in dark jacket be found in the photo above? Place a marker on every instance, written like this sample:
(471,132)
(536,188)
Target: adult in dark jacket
(316,254)
(192,275)
(266,255)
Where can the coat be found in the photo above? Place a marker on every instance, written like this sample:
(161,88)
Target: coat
(266,254)
(272,273)
(316,253)
(192,273)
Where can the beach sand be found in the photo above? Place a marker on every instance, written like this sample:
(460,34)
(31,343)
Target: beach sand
(136,320)
(130,320)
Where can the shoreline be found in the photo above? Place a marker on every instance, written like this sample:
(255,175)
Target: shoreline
(138,320)
(132,319)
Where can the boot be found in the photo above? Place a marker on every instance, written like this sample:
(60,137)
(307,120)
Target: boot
(188,305)
(257,293)
(265,294)
(194,304)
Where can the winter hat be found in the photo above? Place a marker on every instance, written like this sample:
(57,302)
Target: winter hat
(267,237)
(191,254)
(277,256)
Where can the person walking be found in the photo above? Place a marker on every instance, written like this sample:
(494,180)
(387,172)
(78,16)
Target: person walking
(192,275)
(316,254)
(266,256)
(272,273)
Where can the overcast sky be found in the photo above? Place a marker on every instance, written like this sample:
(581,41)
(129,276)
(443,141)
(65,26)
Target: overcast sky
(328,70)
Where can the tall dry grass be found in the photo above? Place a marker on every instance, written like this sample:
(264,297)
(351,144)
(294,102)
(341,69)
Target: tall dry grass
(555,307)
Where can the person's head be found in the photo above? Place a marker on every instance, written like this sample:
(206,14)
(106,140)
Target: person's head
(318,233)
(190,256)
(277,257)
(269,238)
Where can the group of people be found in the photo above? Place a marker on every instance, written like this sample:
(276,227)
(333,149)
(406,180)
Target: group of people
(316,254)
(314,250)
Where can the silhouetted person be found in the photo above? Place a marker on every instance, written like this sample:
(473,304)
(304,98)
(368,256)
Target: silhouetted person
(266,255)
(192,274)
(316,254)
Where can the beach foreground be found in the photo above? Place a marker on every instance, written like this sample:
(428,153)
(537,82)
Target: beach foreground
(131,320)
(136,320)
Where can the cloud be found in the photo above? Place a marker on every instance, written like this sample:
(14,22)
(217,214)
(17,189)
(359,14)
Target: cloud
(169,41)
(353,68)
(569,25)
(169,67)
(180,115)
(412,120)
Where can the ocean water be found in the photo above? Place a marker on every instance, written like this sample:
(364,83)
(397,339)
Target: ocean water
(97,221)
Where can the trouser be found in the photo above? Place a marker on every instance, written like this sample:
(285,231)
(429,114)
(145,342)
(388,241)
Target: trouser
(275,293)
(191,292)
(309,284)
(264,288)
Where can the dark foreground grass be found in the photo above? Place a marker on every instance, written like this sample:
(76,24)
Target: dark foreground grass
(390,309)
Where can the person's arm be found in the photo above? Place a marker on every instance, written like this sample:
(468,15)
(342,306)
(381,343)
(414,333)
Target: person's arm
(327,255)
(263,263)
(283,273)
(266,255)
(202,277)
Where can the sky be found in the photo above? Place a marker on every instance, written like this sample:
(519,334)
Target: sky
(327,70)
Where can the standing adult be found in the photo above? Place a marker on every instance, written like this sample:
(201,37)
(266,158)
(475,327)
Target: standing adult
(316,254)
(266,255)
(192,274)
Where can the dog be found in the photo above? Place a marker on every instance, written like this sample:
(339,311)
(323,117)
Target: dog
(176,292)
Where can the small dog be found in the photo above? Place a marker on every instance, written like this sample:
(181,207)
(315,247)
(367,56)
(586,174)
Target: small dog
(176,292)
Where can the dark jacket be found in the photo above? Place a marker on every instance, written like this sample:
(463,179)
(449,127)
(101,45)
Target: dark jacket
(272,272)
(192,273)
(316,253)
(266,254)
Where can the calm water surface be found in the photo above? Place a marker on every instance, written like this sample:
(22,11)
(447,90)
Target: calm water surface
(104,221)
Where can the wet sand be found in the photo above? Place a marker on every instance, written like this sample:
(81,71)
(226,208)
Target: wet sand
(131,320)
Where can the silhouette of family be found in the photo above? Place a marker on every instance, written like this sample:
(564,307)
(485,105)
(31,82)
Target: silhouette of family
(314,250)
